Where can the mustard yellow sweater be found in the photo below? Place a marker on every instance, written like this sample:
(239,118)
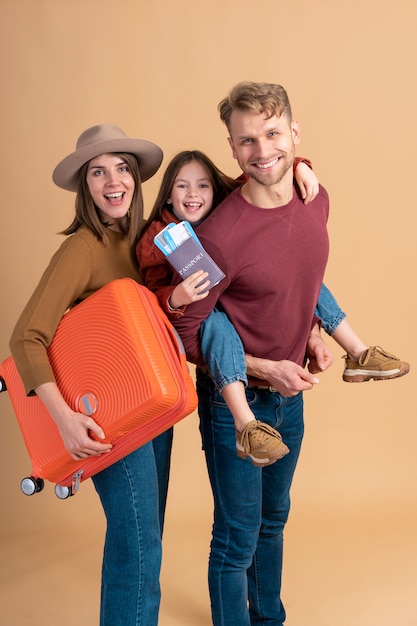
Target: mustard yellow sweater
(80,267)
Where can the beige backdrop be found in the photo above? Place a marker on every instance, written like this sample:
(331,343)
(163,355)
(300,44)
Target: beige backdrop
(158,68)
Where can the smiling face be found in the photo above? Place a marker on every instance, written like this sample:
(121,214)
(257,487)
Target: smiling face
(192,193)
(112,186)
(263,147)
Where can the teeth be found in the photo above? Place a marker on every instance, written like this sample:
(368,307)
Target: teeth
(264,166)
(114,195)
(192,205)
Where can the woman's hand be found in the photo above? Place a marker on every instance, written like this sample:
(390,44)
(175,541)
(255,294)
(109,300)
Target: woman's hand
(78,431)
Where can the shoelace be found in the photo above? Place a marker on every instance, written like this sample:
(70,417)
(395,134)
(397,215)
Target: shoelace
(365,356)
(259,428)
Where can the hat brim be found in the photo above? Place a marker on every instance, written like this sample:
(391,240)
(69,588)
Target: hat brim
(148,154)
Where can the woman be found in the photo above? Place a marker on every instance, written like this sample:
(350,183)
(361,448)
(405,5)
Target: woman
(106,171)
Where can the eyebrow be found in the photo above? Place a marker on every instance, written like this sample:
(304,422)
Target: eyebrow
(271,127)
(103,167)
(185,180)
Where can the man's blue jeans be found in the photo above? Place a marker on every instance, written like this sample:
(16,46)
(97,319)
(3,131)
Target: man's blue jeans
(251,507)
(133,494)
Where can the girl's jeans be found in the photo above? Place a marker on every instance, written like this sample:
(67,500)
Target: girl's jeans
(133,494)
(329,311)
(251,507)
(222,348)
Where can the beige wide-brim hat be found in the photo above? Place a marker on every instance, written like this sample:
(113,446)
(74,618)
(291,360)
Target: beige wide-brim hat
(102,139)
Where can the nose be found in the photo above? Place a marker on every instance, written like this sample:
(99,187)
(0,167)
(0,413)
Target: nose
(113,177)
(192,191)
(263,149)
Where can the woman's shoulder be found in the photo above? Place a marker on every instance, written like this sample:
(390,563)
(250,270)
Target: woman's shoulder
(79,246)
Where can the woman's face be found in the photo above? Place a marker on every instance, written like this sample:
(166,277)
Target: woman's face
(111,185)
(192,192)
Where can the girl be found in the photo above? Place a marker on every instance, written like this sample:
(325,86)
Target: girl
(105,171)
(191,187)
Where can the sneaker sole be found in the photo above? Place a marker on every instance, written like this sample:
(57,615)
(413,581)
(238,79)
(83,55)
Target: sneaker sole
(283,451)
(355,376)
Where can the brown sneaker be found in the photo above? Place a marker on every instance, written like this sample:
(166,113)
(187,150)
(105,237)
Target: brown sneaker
(374,363)
(261,443)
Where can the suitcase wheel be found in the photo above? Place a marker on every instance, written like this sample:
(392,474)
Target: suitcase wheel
(63,492)
(30,485)
(3,386)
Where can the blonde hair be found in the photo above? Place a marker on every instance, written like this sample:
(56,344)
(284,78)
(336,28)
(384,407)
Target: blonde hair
(260,97)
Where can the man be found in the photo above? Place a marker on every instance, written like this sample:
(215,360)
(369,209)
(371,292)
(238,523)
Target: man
(273,249)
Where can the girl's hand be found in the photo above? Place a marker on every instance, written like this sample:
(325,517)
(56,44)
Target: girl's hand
(307,182)
(190,290)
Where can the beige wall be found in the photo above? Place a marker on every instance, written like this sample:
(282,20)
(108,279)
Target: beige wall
(158,68)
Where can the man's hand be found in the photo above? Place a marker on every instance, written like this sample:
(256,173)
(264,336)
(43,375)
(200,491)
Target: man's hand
(285,376)
(319,356)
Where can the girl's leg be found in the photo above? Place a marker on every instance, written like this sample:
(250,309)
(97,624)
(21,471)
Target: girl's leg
(362,363)
(347,339)
(223,354)
(222,350)
(335,324)
(328,311)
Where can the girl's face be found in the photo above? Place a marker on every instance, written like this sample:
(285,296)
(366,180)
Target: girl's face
(111,186)
(192,193)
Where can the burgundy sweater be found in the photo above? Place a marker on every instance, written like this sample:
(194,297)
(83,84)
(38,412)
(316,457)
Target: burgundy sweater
(274,261)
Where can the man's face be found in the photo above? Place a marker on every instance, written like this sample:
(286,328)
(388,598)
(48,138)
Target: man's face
(264,148)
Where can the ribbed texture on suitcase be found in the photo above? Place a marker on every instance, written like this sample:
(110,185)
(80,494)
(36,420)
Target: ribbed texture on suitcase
(115,353)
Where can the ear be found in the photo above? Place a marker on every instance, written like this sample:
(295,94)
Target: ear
(231,144)
(295,131)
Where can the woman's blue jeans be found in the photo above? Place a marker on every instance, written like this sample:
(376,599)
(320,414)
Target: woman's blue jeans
(251,507)
(133,493)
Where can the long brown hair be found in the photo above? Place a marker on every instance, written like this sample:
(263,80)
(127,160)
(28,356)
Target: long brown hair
(86,212)
(222,184)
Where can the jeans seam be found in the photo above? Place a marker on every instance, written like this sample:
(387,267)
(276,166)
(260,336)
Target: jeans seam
(140,543)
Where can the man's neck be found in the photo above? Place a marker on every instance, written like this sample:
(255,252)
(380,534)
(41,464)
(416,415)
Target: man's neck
(268,196)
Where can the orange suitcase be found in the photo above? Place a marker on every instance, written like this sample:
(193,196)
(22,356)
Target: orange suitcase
(116,357)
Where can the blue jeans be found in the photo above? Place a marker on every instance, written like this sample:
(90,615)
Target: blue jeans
(329,311)
(222,348)
(251,507)
(133,494)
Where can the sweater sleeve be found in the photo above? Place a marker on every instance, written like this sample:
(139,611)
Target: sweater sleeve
(65,278)
(298,160)
(155,270)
